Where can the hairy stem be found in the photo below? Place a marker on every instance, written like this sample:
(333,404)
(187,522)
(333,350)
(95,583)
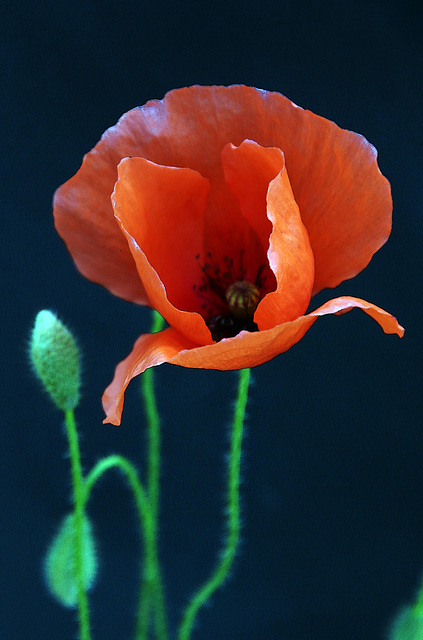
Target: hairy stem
(147,526)
(153,421)
(78,505)
(146,601)
(228,552)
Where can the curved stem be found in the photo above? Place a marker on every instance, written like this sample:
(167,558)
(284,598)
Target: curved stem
(127,468)
(147,525)
(78,503)
(233,521)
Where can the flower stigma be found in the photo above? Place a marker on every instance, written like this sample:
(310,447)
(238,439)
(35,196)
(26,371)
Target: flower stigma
(242,298)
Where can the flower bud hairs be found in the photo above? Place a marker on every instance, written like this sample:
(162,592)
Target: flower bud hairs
(224,210)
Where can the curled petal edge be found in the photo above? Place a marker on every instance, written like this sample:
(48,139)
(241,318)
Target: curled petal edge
(244,350)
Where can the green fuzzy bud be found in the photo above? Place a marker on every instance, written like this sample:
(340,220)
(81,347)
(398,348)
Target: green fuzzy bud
(60,566)
(408,625)
(56,360)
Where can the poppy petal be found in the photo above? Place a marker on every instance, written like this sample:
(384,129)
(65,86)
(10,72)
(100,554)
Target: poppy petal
(244,350)
(256,174)
(248,170)
(252,349)
(83,218)
(350,217)
(150,350)
(291,258)
(161,213)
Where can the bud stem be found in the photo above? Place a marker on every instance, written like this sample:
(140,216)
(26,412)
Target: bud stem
(78,504)
(147,525)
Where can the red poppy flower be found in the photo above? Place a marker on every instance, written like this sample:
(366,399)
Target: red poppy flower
(226,209)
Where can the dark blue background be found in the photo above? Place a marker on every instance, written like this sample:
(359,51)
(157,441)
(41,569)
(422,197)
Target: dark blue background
(332,540)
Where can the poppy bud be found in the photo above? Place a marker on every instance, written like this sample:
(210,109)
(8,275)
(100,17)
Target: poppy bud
(56,360)
(408,625)
(60,566)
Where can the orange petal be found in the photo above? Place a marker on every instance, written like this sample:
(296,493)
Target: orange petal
(248,170)
(251,349)
(350,216)
(255,174)
(245,350)
(83,217)
(149,350)
(161,212)
(290,257)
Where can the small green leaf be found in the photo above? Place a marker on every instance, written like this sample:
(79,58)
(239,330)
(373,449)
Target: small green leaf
(60,568)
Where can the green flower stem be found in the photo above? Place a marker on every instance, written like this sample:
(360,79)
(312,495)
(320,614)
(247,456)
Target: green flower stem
(146,601)
(153,420)
(152,572)
(78,503)
(233,521)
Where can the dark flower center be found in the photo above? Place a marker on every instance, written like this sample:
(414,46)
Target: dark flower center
(229,299)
